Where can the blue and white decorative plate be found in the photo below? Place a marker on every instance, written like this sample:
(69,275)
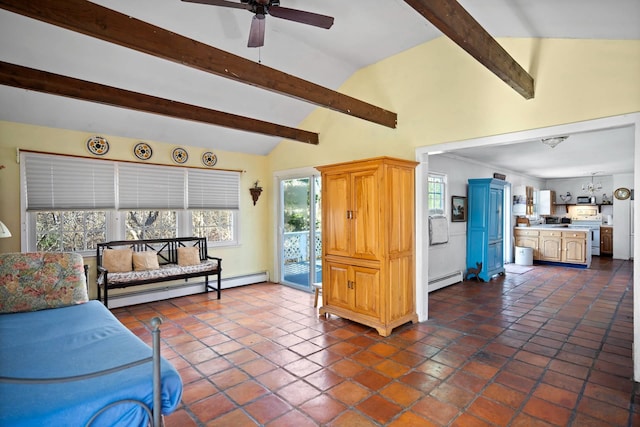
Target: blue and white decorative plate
(97,145)
(179,155)
(142,151)
(209,159)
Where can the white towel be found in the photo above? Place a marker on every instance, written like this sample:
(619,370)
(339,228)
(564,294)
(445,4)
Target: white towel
(438,230)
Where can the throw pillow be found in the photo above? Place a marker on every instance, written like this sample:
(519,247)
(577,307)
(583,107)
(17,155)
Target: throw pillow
(145,261)
(188,256)
(117,260)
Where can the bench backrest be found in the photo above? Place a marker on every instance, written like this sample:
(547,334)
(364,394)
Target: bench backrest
(167,249)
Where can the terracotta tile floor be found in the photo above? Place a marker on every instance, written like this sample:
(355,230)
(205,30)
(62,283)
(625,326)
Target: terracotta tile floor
(549,347)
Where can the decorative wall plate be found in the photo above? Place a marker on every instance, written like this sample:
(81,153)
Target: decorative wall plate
(209,159)
(142,151)
(622,193)
(97,145)
(179,155)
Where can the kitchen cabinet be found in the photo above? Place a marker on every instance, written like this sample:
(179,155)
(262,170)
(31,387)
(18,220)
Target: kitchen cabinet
(368,242)
(523,200)
(574,247)
(526,238)
(606,241)
(546,202)
(556,244)
(551,245)
(485,226)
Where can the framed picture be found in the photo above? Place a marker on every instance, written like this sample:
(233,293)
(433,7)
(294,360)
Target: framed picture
(458,209)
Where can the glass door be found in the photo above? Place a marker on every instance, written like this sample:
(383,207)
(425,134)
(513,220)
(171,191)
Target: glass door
(300,250)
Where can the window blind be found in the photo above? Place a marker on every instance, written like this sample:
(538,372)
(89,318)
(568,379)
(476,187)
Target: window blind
(59,183)
(213,189)
(150,186)
(55,182)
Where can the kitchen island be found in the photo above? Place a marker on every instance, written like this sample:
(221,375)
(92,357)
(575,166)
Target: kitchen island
(556,243)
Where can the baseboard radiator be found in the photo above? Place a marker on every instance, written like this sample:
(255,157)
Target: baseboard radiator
(189,288)
(443,281)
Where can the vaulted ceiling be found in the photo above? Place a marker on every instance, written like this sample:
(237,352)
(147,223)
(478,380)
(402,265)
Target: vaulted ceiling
(364,32)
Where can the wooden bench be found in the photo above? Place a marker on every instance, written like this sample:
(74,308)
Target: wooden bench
(140,262)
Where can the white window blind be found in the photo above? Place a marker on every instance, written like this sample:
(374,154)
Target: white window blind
(150,186)
(213,189)
(59,182)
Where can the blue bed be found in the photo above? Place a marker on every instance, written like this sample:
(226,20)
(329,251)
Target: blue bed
(40,350)
(71,341)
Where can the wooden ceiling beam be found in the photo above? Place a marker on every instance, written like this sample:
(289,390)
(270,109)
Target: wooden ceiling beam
(96,21)
(457,24)
(42,81)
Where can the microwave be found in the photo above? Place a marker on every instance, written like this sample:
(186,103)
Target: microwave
(586,200)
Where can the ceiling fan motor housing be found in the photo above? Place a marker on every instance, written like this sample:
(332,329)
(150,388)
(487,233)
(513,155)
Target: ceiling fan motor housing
(261,2)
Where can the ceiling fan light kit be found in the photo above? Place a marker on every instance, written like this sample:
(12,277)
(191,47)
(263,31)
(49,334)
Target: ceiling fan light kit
(262,8)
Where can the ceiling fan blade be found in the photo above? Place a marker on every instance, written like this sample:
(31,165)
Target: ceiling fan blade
(256,33)
(222,3)
(301,16)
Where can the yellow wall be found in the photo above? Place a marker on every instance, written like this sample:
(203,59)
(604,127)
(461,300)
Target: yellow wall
(250,257)
(442,94)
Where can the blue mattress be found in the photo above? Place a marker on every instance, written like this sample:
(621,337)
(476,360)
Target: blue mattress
(72,341)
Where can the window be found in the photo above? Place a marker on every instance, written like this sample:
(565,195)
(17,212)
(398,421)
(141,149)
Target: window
(436,194)
(69,230)
(73,203)
(214,205)
(215,225)
(154,224)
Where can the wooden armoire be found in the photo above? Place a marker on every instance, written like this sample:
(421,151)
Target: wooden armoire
(368,242)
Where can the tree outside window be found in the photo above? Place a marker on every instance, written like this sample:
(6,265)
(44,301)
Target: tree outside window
(69,231)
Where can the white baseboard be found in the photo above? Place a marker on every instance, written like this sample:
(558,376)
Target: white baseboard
(132,298)
(443,281)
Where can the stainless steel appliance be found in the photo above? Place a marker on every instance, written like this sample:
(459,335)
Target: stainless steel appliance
(590,218)
(586,200)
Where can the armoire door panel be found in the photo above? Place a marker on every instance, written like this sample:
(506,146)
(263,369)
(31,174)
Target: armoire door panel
(366,214)
(335,287)
(366,287)
(336,227)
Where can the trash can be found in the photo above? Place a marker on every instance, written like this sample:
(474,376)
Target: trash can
(524,256)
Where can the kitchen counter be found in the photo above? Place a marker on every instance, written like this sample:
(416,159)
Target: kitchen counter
(553,226)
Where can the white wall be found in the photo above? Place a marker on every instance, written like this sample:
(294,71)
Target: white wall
(450,257)
(574,186)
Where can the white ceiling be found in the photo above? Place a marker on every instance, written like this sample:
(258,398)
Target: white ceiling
(365,32)
(601,152)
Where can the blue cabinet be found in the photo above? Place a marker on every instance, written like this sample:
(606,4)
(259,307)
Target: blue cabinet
(485,226)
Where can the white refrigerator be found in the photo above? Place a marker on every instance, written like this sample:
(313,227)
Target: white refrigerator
(631,231)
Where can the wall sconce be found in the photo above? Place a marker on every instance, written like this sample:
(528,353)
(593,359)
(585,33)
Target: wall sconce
(255,192)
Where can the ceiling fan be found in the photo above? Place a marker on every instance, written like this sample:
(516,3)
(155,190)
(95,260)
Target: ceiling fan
(262,8)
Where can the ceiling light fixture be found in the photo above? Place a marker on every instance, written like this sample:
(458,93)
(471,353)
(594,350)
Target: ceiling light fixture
(590,186)
(553,141)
